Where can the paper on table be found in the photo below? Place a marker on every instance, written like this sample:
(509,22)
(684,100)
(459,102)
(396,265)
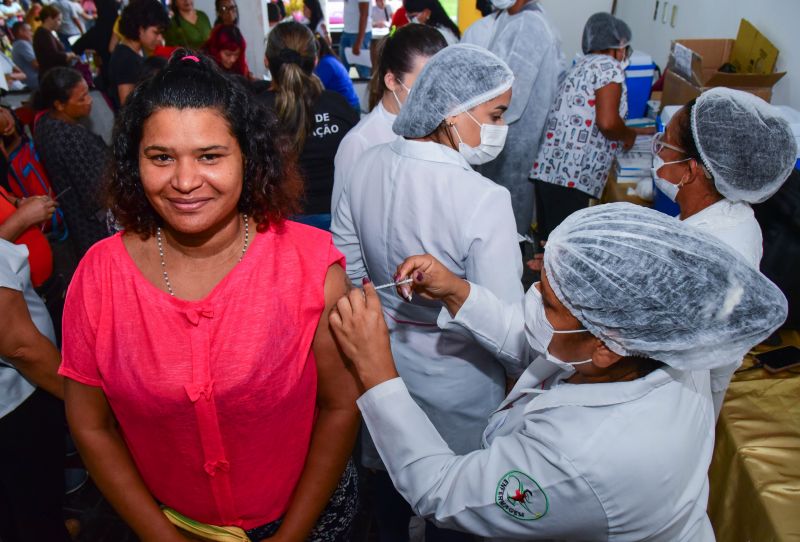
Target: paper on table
(636,161)
(361,59)
(683,60)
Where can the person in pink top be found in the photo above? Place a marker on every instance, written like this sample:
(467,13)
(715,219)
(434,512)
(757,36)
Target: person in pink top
(201,373)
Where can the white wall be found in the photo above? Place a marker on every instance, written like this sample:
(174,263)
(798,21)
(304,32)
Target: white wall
(252,23)
(569,17)
(778,20)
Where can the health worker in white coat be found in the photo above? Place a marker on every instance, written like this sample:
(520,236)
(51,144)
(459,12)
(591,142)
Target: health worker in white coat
(610,435)
(419,194)
(403,54)
(521,34)
(719,154)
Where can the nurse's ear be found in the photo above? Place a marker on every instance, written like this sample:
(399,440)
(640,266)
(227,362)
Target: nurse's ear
(603,356)
(392,83)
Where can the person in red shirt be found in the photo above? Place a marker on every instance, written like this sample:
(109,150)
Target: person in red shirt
(200,369)
(20,220)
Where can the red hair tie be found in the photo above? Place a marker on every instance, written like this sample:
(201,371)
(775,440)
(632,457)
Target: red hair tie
(192,58)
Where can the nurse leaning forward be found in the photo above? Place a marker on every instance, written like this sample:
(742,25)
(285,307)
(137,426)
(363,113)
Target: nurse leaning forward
(608,433)
(419,194)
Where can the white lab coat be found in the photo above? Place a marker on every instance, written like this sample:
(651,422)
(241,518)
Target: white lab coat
(531,47)
(448,35)
(734,224)
(616,461)
(373,129)
(410,197)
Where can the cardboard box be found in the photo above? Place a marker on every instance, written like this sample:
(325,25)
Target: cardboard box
(752,51)
(693,67)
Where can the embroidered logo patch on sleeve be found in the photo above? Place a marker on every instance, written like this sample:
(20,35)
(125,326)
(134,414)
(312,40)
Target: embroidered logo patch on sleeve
(521,497)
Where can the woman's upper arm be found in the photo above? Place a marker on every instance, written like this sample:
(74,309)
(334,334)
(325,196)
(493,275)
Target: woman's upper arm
(337,383)
(607,107)
(87,407)
(123,91)
(18,328)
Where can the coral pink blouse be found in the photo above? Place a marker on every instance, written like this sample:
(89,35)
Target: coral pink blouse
(215,398)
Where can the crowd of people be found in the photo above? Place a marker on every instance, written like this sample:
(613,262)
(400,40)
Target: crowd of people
(213,359)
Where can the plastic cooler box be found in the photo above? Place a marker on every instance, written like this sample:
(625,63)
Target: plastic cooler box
(639,80)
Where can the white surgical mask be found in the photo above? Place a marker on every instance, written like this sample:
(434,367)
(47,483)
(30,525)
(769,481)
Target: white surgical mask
(568,366)
(493,139)
(625,63)
(503,4)
(396,99)
(670,190)
(539,331)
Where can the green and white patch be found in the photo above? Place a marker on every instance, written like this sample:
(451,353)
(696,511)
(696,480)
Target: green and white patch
(520,497)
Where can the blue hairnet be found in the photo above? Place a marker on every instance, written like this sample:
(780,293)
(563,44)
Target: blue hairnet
(604,31)
(648,285)
(745,144)
(454,80)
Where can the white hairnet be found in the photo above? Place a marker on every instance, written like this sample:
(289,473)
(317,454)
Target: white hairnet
(743,142)
(648,285)
(604,31)
(454,80)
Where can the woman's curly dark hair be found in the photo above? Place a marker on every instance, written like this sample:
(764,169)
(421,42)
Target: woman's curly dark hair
(272,185)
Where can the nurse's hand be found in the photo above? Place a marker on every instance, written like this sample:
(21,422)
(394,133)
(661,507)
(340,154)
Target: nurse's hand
(432,280)
(358,325)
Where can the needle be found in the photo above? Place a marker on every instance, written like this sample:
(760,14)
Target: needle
(398,283)
(67,189)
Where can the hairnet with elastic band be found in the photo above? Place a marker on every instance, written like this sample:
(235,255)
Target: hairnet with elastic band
(454,80)
(604,31)
(745,144)
(648,285)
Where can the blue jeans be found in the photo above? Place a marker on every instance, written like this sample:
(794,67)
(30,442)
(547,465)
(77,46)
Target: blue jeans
(348,40)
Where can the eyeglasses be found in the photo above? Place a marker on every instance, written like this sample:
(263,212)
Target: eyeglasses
(628,51)
(225,9)
(659,145)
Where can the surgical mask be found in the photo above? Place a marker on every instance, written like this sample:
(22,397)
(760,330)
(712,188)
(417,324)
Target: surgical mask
(539,331)
(503,4)
(670,190)
(627,60)
(493,139)
(396,99)
(568,366)
(414,20)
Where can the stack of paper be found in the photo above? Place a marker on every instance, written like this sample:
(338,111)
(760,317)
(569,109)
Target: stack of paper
(635,163)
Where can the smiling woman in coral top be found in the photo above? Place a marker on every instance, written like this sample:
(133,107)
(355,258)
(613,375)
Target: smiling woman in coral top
(201,330)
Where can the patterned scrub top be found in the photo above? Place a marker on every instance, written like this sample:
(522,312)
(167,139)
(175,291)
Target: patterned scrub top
(574,153)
